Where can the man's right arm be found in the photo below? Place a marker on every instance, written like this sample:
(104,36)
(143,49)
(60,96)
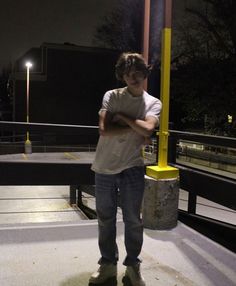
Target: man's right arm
(109,128)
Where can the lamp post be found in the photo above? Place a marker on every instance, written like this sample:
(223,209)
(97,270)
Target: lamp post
(28,145)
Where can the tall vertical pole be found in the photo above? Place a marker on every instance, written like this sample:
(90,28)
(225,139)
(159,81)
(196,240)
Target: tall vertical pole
(162,170)
(27,100)
(28,145)
(146,29)
(165,85)
(161,197)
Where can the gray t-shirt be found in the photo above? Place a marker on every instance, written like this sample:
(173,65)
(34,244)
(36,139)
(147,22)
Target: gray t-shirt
(117,153)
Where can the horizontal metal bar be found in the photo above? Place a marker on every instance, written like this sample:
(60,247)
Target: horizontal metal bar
(205,138)
(37,173)
(221,232)
(212,187)
(46,127)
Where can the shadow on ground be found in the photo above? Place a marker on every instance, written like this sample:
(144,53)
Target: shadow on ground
(83,278)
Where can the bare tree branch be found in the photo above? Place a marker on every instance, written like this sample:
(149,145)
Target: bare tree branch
(211,28)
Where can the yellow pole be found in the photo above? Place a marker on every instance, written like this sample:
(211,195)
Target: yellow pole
(165,97)
(162,170)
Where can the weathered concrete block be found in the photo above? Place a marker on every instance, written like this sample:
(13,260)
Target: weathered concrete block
(160,204)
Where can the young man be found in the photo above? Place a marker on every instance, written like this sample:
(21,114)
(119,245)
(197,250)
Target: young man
(127,118)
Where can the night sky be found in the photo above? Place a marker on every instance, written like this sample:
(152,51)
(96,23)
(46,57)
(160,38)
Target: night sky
(29,23)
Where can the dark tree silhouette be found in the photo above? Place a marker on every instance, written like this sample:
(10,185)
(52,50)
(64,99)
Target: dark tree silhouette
(122,29)
(203,87)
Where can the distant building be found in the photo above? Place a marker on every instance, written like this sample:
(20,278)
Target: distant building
(67,83)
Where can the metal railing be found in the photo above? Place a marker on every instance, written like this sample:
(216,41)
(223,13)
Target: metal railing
(214,187)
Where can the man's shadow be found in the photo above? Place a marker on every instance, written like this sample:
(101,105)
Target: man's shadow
(109,282)
(113,282)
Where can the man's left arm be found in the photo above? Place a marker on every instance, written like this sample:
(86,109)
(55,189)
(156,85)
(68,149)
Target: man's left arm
(143,127)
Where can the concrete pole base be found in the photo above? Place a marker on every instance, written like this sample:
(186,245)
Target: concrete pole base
(160,204)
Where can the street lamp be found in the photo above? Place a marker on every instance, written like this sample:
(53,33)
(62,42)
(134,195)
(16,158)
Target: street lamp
(28,145)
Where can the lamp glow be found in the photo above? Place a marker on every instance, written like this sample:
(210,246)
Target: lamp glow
(28,64)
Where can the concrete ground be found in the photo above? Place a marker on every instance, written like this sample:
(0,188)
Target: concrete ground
(45,241)
(62,254)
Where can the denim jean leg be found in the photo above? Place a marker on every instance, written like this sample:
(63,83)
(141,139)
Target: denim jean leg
(131,190)
(106,207)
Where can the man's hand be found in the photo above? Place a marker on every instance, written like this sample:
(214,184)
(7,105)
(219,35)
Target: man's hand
(110,125)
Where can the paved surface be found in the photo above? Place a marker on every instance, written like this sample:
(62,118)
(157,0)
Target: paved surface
(55,157)
(44,241)
(66,255)
(37,204)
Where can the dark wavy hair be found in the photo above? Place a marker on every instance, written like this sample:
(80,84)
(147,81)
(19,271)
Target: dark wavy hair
(130,60)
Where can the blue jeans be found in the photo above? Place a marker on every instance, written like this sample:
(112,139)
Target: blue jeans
(130,184)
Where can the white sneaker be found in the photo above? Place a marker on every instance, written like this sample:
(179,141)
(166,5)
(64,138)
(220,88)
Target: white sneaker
(134,275)
(104,272)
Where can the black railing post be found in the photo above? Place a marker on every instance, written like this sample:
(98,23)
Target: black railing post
(73,189)
(192,202)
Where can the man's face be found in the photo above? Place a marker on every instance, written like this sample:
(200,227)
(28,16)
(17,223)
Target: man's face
(134,78)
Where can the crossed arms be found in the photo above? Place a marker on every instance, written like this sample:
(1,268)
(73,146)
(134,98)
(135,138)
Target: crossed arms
(124,124)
